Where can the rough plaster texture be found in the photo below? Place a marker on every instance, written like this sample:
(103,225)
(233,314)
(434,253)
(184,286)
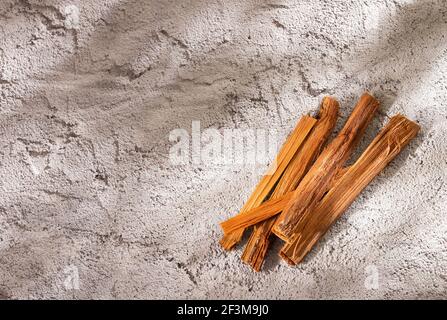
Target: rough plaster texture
(87,103)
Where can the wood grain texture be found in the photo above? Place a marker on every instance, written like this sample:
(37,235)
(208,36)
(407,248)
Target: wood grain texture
(321,174)
(257,245)
(268,182)
(384,148)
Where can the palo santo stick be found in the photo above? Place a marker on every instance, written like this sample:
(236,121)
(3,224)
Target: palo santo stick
(311,148)
(318,179)
(258,243)
(384,148)
(268,182)
(267,210)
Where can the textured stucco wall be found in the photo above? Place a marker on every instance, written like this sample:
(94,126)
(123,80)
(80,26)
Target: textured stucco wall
(90,90)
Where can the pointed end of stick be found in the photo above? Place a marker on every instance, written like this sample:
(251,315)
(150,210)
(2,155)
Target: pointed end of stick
(329,107)
(289,261)
(228,242)
(328,100)
(368,98)
(223,226)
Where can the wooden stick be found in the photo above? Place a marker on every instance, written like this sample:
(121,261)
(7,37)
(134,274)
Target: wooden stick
(253,216)
(258,243)
(318,179)
(268,182)
(384,148)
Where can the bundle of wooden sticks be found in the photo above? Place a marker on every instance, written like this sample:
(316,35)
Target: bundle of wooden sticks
(310,186)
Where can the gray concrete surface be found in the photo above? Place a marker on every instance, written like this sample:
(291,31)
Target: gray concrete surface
(90,91)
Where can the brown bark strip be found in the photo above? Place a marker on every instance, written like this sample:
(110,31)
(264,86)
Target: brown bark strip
(269,181)
(318,179)
(258,243)
(384,148)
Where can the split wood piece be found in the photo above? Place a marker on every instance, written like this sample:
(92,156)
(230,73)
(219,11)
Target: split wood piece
(258,243)
(384,148)
(318,179)
(268,182)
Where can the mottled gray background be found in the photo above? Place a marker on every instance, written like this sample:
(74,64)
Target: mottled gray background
(87,102)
